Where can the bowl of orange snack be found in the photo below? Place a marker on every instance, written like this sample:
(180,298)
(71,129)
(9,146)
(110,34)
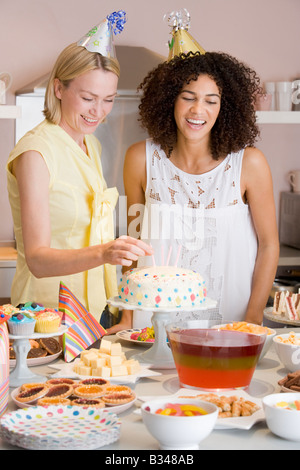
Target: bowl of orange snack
(245,327)
(287,347)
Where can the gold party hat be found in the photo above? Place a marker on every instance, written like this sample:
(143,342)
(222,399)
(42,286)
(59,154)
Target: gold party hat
(182,41)
(100,38)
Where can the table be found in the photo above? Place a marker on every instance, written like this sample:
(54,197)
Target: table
(134,435)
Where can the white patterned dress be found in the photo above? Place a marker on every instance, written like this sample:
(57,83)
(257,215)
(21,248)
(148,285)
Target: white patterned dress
(205,219)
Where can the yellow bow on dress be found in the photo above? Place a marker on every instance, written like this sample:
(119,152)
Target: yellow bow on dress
(102,231)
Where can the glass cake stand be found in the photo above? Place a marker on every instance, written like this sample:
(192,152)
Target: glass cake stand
(21,344)
(159,355)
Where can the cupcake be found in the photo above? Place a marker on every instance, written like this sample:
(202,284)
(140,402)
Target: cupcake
(9,309)
(21,324)
(47,321)
(32,307)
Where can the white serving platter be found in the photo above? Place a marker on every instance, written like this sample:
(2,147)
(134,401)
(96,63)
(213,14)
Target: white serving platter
(243,422)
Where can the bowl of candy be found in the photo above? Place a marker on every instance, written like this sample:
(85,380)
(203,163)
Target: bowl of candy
(213,359)
(180,424)
(287,347)
(245,327)
(282,412)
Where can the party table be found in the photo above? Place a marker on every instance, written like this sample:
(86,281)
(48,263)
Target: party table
(134,435)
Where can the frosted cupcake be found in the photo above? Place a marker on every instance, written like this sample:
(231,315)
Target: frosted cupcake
(21,324)
(48,321)
(32,307)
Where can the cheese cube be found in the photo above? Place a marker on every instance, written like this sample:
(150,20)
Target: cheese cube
(101,372)
(133,366)
(94,350)
(105,372)
(87,358)
(97,362)
(118,370)
(77,366)
(105,346)
(116,349)
(84,370)
(114,361)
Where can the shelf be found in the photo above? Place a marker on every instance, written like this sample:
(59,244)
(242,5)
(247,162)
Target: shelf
(278,117)
(9,112)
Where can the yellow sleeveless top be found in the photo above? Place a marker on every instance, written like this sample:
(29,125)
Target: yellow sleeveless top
(81,213)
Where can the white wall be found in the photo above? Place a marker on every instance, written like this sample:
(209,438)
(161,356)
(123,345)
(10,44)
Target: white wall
(262,33)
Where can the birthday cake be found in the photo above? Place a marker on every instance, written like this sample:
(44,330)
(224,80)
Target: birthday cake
(162,287)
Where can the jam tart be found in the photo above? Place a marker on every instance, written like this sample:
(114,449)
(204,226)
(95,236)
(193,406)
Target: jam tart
(94,402)
(95,381)
(60,390)
(47,401)
(118,388)
(60,381)
(89,391)
(118,397)
(27,386)
(32,394)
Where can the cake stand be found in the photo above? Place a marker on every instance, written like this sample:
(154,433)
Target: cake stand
(159,355)
(21,373)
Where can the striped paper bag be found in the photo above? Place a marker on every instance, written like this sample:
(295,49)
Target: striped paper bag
(4,368)
(83,329)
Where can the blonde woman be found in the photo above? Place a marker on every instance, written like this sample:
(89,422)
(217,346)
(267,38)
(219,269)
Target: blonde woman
(62,209)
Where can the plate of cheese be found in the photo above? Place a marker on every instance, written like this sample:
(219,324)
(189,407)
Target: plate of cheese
(108,362)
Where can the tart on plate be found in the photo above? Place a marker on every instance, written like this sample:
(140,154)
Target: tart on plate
(89,391)
(95,402)
(47,401)
(32,393)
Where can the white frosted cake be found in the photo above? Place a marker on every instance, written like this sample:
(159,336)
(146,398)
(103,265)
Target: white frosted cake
(163,287)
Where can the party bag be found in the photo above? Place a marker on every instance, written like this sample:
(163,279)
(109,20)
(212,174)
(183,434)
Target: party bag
(83,329)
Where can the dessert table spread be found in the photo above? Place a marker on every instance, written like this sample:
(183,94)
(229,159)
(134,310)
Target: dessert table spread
(134,435)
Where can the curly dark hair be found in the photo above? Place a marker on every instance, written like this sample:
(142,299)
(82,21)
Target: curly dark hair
(238,84)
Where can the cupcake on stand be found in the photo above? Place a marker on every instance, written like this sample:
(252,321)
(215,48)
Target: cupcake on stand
(23,326)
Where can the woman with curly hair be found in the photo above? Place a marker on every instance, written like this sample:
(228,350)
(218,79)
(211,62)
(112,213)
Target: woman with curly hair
(205,188)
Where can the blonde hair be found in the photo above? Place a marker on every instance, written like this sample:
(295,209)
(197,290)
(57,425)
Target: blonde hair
(73,61)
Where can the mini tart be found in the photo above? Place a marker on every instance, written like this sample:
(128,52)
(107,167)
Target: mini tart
(46,401)
(118,398)
(89,391)
(32,385)
(95,381)
(60,390)
(118,388)
(60,381)
(32,393)
(94,402)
